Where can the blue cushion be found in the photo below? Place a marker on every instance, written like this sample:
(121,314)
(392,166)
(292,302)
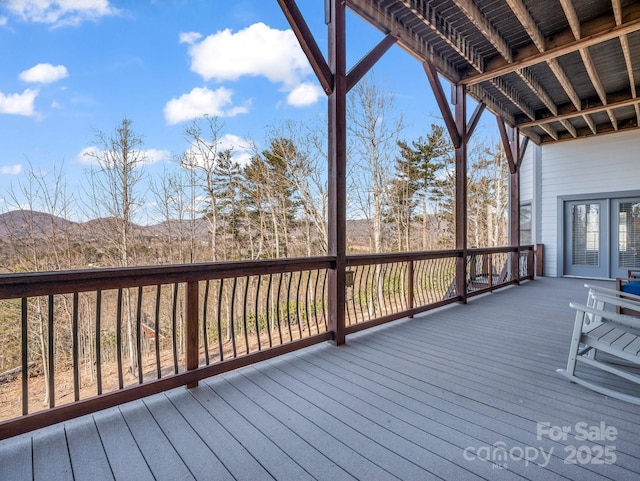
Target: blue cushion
(631,287)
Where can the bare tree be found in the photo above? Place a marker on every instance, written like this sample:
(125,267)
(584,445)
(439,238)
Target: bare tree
(115,195)
(204,137)
(41,240)
(308,169)
(374,127)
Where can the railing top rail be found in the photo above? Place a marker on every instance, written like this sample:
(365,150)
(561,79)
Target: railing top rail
(495,250)
(364,259)
(29,284)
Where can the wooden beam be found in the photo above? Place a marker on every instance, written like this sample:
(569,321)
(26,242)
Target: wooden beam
(514,96)
(617,10)
(441,100)
(565,82)
(557,47)
(550,131)
(481,95)
(475,118)
(572,17)
(533,84)
(527,21)
(570,114)
(308,43)
(569,127)
(430,17)
(532,135)
(626,51)
(604,129)
(368,61)
(506,143)
(413,43)
(523,149)
(593,74)
(490,32)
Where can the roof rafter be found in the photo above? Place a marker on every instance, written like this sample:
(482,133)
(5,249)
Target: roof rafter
(528,23)
(538,39)
(574,23)
(626,51)
(474,14)
(595,31)
(565,114)
(490,32)
(407,39)
(432,19)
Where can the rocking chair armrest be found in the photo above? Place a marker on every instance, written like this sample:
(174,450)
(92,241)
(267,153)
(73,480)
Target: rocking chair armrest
(613,292)
(617,301)
(623,321)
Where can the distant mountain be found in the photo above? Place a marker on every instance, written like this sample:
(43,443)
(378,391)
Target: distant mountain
(20,223)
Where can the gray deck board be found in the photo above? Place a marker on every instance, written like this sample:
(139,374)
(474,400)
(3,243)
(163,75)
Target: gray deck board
(88,458)
(408,400)
(50,454)
(16,458)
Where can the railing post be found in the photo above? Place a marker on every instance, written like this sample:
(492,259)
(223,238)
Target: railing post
(490,270)
(410,287)
(531,264)
(192,342)
(515,266)
(539,260)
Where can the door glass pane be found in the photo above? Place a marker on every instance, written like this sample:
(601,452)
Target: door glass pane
(585,226)
(629,234)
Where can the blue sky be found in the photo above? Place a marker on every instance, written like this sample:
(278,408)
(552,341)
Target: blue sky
(71,67)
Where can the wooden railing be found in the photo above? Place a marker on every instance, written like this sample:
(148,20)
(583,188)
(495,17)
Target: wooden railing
(91,339)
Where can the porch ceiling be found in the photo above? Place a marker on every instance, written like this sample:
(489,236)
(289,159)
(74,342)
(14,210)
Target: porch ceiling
(556,69)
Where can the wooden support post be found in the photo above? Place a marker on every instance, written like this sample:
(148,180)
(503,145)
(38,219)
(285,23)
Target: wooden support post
(192,347)
(337,118)
(460,103)
(514,226)
(511,143)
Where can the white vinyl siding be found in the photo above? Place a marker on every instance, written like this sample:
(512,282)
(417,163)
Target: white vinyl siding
(609,163)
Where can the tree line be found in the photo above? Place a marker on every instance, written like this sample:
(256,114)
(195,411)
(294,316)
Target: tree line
(211,207)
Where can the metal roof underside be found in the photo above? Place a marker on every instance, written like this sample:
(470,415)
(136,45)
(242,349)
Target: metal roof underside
(556,69)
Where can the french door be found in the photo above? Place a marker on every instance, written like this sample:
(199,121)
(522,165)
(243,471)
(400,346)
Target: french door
(625,236)
(586,238)
(601,237)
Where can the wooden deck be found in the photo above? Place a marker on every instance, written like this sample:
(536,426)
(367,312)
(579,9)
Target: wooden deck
(428,398)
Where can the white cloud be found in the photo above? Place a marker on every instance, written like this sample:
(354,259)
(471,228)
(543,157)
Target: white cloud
(11,169)
(44,73)
(256,50)
(3,21)
(60,12)
(202,101)
(19,104)
(304,94)
(190,37)
(153,156)
(90,155)
(241,148)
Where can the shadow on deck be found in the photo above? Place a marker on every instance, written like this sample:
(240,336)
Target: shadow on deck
(464,392)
